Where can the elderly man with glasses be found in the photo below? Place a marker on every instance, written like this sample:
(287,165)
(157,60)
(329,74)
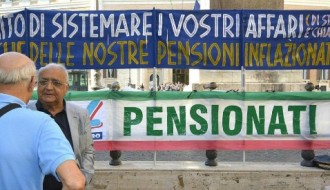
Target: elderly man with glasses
(73,120)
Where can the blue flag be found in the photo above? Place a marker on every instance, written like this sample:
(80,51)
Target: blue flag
(197,6)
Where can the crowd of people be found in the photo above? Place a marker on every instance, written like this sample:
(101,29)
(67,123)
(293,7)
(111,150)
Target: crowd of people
(178,86)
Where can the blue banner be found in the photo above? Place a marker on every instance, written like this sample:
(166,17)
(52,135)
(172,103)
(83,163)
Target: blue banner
(199,39)
(179,39)
(286,39)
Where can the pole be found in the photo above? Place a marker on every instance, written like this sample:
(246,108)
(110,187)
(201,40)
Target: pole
(243,90)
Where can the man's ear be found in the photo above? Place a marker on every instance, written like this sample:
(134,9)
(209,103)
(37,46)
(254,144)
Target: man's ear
(32,83)
(67,87)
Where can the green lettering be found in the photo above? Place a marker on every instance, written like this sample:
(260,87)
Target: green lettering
(172,118)
(312,114)
(277,113)
(151,121)
(296,117)
(226,120)
(215,119)
(199,119)
(254,120)
(129,121)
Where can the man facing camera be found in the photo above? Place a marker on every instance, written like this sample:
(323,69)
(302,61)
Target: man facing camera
(73,120)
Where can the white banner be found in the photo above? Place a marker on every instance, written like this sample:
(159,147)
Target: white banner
(212,123)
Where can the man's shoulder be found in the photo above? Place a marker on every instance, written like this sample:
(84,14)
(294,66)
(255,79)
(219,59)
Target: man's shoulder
(75,106)
(33,114)
(72,107)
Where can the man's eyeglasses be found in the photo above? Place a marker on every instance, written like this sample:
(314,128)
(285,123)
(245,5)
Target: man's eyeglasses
(56,83)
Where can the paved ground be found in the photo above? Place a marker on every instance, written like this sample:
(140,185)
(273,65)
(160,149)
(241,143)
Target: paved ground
(226,156)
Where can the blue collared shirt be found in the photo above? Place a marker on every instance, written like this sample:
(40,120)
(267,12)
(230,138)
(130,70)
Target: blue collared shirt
(31,145)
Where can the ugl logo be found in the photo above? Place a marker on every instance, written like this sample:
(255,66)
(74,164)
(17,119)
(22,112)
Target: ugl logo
(92,108)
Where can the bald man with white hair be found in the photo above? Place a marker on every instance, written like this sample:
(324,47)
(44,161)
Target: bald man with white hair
(32,144)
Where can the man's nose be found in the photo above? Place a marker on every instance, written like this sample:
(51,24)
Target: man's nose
(49,84)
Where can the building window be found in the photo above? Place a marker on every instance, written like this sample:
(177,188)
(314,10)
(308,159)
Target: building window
(78,80)
(110,73)
(181,75)
(306,74)
(325,74)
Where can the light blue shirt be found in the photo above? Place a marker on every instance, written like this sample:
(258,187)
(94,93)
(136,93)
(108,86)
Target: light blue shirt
(31,145)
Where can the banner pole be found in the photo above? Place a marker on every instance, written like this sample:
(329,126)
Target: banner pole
(155,30)
(242,79)
(154,85)
(243,90)
(155,157)
(243,87)
(154,89)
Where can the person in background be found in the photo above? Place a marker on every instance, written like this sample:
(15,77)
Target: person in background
(73,120)
(31,143)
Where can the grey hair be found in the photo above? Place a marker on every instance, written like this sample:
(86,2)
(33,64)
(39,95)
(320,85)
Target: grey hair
(18,75)
(54,66)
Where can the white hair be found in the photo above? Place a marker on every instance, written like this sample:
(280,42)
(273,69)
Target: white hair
(18,75)
(54,66)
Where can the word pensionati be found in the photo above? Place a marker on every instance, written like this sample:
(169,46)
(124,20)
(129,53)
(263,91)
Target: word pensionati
(200,120)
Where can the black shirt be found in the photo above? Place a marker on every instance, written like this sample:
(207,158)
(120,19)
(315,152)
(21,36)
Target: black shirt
(50,182)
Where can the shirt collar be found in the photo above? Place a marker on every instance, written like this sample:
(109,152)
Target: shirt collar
(41,108)
(7,99)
